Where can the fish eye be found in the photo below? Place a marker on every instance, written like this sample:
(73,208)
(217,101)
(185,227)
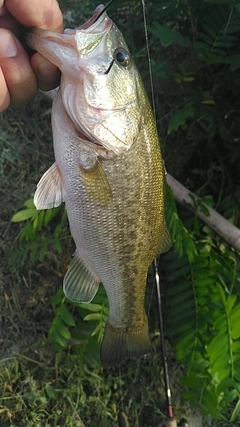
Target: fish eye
(122,57)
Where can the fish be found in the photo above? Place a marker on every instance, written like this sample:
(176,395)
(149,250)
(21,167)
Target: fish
(110,173)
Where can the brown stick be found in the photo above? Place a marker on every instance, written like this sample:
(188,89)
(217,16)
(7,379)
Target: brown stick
(215,221)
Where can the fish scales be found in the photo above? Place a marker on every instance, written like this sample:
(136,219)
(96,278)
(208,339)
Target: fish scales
(110,173)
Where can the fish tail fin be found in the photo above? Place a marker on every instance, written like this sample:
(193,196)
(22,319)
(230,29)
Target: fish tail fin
(119,344)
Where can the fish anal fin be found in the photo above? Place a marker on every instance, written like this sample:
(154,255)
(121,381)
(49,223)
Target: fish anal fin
(79,284)
(119,344)
(165,243)
(49,192)
(96,183)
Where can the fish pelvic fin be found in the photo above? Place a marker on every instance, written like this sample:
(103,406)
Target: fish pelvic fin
(49,192)
(79,284)
(97,185)
(120,344)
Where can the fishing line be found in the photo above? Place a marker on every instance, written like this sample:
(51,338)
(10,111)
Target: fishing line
(104,9)
(171,420)
(137,371)
(148,57)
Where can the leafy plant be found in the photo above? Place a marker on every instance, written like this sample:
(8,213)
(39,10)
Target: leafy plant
(86,334)
(33,239)
(202,296)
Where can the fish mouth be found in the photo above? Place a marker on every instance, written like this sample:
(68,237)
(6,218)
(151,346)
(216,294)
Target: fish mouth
(93,19)
(44,41)
(96,118)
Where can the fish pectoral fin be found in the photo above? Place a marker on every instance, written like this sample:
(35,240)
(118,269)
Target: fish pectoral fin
(79,284)
(119,344)
(165,243)
(49,192)
(96,184)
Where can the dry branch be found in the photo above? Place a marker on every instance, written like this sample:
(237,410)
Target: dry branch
(215,221)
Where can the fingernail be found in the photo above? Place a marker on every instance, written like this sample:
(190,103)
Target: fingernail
(8,46)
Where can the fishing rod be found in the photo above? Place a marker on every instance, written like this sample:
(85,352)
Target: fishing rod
(170,419)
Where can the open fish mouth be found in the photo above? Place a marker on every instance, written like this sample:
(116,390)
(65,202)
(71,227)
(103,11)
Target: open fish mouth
(94,18)
(91,32)
(94,62)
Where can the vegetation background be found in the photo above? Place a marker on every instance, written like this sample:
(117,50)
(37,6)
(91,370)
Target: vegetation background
(49,355)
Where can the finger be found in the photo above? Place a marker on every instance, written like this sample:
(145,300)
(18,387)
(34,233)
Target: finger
(18,74)
(42,14)
(37,13)
(8,22)
(48,75)
(3,8)
(4,93)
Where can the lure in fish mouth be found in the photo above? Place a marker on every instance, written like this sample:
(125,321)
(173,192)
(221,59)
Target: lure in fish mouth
(109,171)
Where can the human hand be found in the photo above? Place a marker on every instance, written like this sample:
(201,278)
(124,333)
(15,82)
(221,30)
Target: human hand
(21,76)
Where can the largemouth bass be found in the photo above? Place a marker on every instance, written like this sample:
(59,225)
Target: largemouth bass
(110,173)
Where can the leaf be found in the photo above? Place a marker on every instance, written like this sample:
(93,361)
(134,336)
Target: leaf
(29,204)
(32,395)
(38,221)
(191,395)
(181,297)
(57,245)
(179,118)
(62,330)
(57,298)
(236,346)
(181,272)
(203,208)
(55,336)
(24,215)
(43,251)
(216,346)
(229,396)
(180,288)
(209,402)
(91,307)
(93,316)
(168,36)
(235,411)
(192,380)
(65,315)
(235,331)
(50,392)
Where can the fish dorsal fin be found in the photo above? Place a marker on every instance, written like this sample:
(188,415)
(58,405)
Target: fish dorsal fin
(165,243)
(96,184)
(49,192)
(79,284)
